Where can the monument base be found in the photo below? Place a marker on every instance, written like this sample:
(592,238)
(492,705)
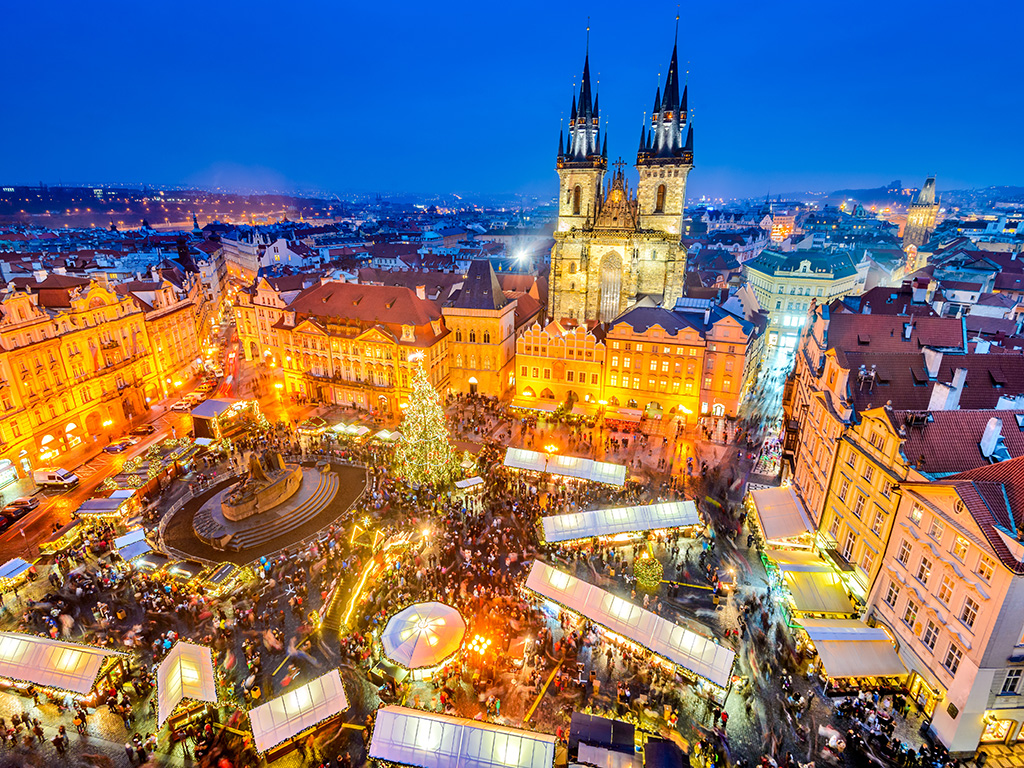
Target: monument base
(278,491)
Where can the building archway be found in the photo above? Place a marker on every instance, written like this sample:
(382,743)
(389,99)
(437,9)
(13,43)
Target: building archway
(472,385)
(611,287)
(547,394)
(718,409)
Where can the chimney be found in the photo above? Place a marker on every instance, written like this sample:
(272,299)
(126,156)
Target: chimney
(920,293)
(956,389)
(932,362)
(991,436)
(421,292)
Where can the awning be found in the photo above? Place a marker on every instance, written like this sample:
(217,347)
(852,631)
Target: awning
(631,415)
(185,673)
(51,663)
(603,732)
(780,515)
(428,740)
(294,711)
(814,585)
(204,441)
(608,522)
(469,482)
(386,434)
(212,408)
(131,537)
(534,404)
(677,644)
(108,507)
(423,635)
(851,648)
(567,466)
(134,550)
(584,409)
(12,569)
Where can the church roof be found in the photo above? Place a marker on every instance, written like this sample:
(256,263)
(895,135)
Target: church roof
(481,289)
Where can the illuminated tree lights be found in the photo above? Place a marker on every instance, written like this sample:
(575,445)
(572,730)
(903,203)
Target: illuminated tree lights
(648,571)
(424,454)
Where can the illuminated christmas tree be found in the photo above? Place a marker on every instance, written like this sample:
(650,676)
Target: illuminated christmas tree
(648,571)
(424,454)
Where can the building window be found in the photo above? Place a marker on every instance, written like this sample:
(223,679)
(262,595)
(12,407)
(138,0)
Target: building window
(869,474)
(904,554)
(876,440)
(833,528)
(946,589)
(924,570)
(960,548)
(487,337)
(613,380)
(844,486)
(969,612)
(867,559)
(858,506)
(536,372)
(1012,681)
(878,523)
(952,660)
(851,539)
(892,594)
(523,369)
(576,200)
(986,567)
(910,614)
(472,337)
(659,203)
(931,634)
(916,513)
(547,373)
(936,529)
(593,378)
(707,382)
(886,489)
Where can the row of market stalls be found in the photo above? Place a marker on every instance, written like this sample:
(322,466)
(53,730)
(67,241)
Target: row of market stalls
(316,425)
(620,522)
(821,596)
(565,466)
(698,657)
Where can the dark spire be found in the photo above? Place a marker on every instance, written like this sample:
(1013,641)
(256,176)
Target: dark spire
(561,143)
(670,101)
(604,149)
(596,113)
(657,104)
(572,113)
(643,141)
(586,103)
(682,106)
(689,138)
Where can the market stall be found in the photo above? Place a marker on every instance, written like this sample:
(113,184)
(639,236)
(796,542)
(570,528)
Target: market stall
(14,572)
(523,403)
(565,466)
(854,655)
(132,545)
(54,664)
(426,740)
(151,562)
(281,722)
(681,647)
(106,508)
(780,517)
(225,577)
(423,637)
(620,520)
(388,435)
(185,674)
(222,418)
(815,588)
(67,536)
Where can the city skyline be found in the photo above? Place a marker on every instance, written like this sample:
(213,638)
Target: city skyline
(472,103)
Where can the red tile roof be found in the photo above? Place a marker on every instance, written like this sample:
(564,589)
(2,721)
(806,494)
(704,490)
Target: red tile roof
(949,441)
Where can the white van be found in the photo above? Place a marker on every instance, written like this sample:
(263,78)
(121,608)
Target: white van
(54,477)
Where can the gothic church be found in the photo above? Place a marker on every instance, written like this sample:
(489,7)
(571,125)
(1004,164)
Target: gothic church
(615,245)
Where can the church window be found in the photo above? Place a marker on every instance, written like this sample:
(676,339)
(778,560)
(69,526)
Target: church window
(458,334)
(572,268)
(568,196)
(487,337)
(576,200)
(659,206)
(472,337)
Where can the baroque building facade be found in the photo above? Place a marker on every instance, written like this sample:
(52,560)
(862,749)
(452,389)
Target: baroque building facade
(614,245)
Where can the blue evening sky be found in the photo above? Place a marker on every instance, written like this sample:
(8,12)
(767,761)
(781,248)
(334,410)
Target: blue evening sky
(467,97)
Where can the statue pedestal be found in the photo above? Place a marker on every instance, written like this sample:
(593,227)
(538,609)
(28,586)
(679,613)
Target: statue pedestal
(264,498)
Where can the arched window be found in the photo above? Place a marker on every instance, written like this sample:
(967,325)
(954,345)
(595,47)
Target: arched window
(458,334)
(458,361)
(487,337)
(472,337)
(659,205)
(572,268)
(568,196)
(576,200)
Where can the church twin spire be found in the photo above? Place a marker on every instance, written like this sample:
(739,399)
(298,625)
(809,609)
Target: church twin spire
(584,144)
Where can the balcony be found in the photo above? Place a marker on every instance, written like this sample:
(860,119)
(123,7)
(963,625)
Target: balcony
(109,344)
(358,383)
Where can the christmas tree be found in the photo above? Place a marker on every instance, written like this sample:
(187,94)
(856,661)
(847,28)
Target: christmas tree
(424,454)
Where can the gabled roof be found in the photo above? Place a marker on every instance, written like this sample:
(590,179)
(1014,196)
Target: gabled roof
(947,442)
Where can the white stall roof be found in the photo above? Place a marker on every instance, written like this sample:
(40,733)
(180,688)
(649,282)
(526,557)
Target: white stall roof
(130,538)
(185,673)
(51,663)
(12,569)
(293,712)
(815,586)
(606,758)
(134,550)
(469,482)
(780,513)
(679,645)
(608,522)
(850,648)
(428,740)
(566,466)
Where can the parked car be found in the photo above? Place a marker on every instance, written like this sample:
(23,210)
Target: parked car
(143,430)
(5,523)
(54,477)
(15,512)
(181,405)
(120,445)
(28,502)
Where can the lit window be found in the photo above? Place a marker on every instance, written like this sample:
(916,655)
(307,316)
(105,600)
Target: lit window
(878,523)
(916,513)
(844,486)
(936,528)
(910,614)
(924,570)
(986,567)
(946,589)
(960,548)
(1012,681)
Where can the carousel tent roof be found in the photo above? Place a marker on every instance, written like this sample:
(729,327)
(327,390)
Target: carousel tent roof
(185,673)
(780,513)
(12,569)
(51,663)
(428,740)
(212,408)
(608,522)
(850,648)
(423,635)
(566,466)
(679,645)
(294,711)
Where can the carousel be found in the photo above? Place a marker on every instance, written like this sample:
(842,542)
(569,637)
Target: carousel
(422,637)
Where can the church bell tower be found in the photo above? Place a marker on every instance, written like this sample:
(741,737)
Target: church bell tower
(581,160)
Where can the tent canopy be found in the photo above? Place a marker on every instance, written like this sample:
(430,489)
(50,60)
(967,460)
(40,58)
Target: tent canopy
(608,522)
(566,466)
(131,537)
(423,635)
(534,404)
(51,663)
(850,648)
(185,673)
(12,569)
(428,740)
(134,550)
(212,408)
(469,482)
(293,712)
(780,513)
(600,731)
(814,585)
(607,758)
(681,646)
(101,507)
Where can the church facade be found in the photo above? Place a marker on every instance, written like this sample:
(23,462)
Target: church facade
(615,244)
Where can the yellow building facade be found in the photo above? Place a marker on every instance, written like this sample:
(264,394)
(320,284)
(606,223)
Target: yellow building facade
(557,365)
